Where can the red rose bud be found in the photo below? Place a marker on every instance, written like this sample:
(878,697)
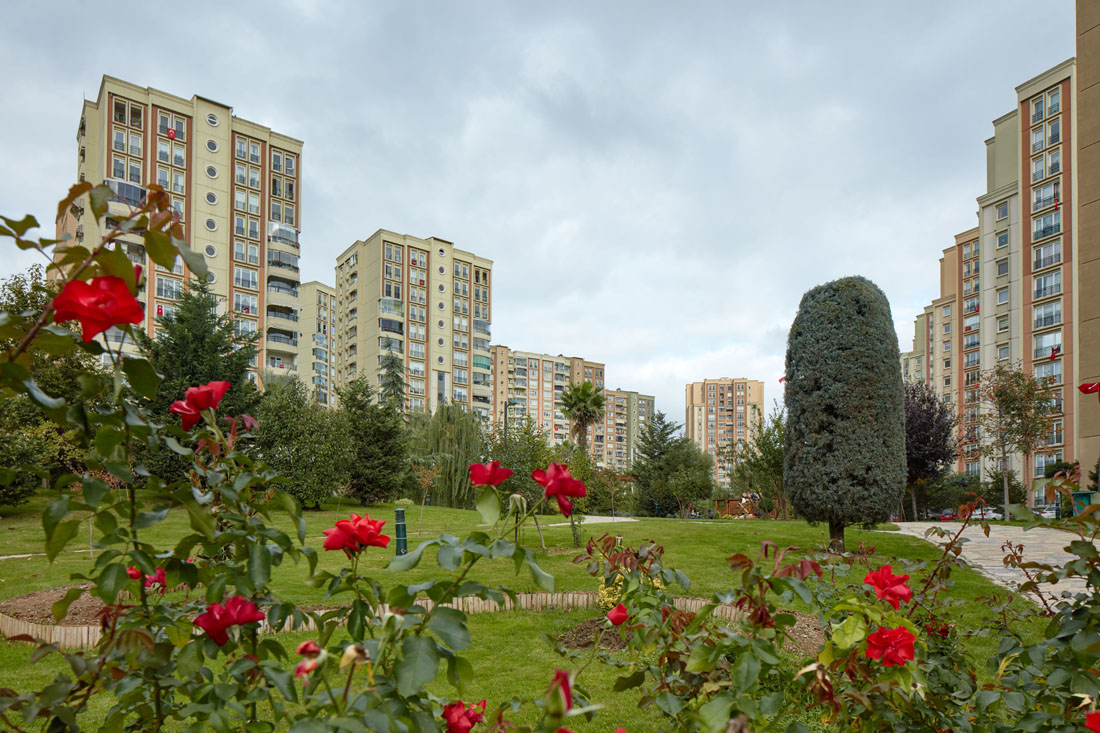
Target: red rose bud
(618,615)
(1092,722)
(305,667)
(197,399)
(133,572)
(100,304)
(892,588)
(559,698)
(893,646)
(560,484)
(309,649)
(490,474)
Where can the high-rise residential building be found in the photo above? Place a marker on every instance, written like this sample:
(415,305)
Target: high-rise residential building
(719,413)
(1086,411)
(626,415)
(316,365)
(529,384)
(424,300)
(235,185)
(914,363)
(1008,290)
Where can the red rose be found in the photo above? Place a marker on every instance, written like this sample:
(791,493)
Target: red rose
(560,484)
(355,534)
(305,667)
(618,615)
(890,587)
(158,578)
(133,572)
(893,646)
(197,399)
(104,302)
(1092,722)
(237,611)
(460,719)
(560,694)
(490,474)
(309,649)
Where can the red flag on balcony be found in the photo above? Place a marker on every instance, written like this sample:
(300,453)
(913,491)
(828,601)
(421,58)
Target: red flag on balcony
(976,309)
(1055,351)
(782,380)
(171,134)
(160,310)
(1090,388)
(1057,203)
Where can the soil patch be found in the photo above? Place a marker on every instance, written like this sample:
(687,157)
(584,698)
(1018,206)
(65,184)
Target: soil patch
(37,607)
(583,635)
(806,635)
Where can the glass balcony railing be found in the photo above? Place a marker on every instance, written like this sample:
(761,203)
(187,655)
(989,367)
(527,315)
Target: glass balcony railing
(1048,291)
(1041,262)
(1041,232)
(126,193)
(280,289)
(278,339)
(284,316)
(1047,321)
(282,233)
(390,306)
(1044,352)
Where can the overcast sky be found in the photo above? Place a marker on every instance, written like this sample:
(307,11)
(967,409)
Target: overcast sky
(657,183)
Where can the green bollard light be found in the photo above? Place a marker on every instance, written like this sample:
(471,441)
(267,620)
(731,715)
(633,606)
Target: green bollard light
(399,530)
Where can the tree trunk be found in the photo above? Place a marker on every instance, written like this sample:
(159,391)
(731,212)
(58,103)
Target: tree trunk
(541,539)
(913,496)
(901,509)
(1004,477)
(836,536)
(1028,481)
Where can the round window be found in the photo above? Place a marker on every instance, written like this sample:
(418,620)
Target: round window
(212,119)
(442,269)
(440,342)
(441,326)
(211,171)
(211,225)
(441,308)
(441,287)
(442,253)
(211,197)
(212,146)
(210,250)
(440,360)
(211,277)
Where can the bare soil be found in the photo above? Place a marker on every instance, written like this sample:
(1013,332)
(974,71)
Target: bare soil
(37,607)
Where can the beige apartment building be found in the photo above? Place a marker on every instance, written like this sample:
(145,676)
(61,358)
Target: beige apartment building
(1008,286)
(915,363)
(427,302)
(235,185)
(316,365)
(626,415)
(719,413)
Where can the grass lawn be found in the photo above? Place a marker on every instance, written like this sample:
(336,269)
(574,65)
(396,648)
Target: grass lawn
(509,657)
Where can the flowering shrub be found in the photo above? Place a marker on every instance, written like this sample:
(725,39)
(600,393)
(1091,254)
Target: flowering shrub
(890,660)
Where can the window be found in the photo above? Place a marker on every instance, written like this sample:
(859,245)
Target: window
(1053,102)
(254,152)
(178,158)
(1048,314)
(1002,324)
(242,148)
(1048,345)
(947,346)
(1002,210)
(1051,370)
(1037,139)
(243,303)
(946,310)
(1046,225)
(1046,195)
(971,341)
(1054,162)
(240,174)
(1048,284)
(289,165)
(276,161)
(1002,296)
(1047,254)
(211,197)
(1038,169)
(169,288)
(1002,267)
(971,323)
(245,278)
(947,381)
(212,146)
(162,178)
(1054,132)
(1037,106)
(1003,352)
(947,328)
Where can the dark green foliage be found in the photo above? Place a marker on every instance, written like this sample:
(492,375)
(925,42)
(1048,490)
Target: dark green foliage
(583,404)
(759,463)
(454,437)
(1053,468)
(391,369)
(379,464)
(307,443)
(845,458)
(671,472)
(992,489)
(524,451)
(1094,477)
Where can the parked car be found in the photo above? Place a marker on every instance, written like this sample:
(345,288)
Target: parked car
(948,515)
(1047,512)
(987,513)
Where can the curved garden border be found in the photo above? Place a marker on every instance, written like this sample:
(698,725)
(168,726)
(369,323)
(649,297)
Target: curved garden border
(86,637)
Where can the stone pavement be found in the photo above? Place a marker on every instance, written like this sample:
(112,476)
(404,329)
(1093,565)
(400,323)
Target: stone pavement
(596,519)
(985,555)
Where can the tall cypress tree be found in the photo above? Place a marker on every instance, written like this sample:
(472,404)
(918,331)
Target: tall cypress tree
(380,442)
(845,440)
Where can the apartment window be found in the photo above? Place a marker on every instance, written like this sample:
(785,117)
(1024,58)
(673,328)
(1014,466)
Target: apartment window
(245,278)
(178,157)
(971,341)
(946,311)
(253,204)
(243,303)
(240,201)
(1048,284)
(289,165)
(1046,225)
(169,288)
(970,305)
(1054,132)
(1054,162)
(244,327)
(947,346)
(1046,195)
(1003,352)
(947,381)
(253,178)
(1047,254)
(1037,139)
(240,174)
(254,152)
(971,378)
(1054,102)
(1002,324)
(1048,345)
(1051,370)
(971,360)
(1002,210)
(1037,106)
(1002,296)
(1048,314)
(946,363)
(276,161)
(253,228)
(288,214)
(971,323)
(947,328)
(1002,267)
(1038,168)
(162,178)
(276,211)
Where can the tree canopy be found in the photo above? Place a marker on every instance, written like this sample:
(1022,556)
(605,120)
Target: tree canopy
(931,441)
(845,436)
(583,404)
(379,464)
(758,463)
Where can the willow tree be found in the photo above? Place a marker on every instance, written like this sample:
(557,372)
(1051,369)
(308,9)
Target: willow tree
(845,438)
(455,436)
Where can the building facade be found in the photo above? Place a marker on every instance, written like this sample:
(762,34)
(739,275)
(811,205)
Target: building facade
(425,301)
(235,185)
(719,413)
(316,365)
(626,415)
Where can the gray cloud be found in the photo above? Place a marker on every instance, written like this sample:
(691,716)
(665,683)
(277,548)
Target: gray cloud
(657,183)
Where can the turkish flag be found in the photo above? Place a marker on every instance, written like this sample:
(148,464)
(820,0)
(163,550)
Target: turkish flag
(171,134)
(1057,203)
(1054,351)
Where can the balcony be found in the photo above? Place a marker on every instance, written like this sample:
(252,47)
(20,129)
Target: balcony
(126,193)
(1055,167)
(1047,321)
(1054,138)
(280,365)
(1043,203)
(281,341)
(280,293)
(1045,352)
(281,263)
(1040,262)
(287,315)
(1048,291)
(1037,116)
(391,307)
(1047,231)
(282,234)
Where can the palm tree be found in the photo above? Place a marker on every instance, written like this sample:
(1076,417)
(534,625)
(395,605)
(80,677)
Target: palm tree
(583,404)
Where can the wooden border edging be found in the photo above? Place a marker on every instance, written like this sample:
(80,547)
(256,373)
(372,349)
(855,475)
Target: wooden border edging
(86,637)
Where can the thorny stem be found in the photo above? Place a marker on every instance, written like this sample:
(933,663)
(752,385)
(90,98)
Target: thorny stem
(939,565)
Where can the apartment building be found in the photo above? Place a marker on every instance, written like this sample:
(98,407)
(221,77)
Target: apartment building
(427,302)
(527,384)
(1007,286)
(915,363)
(235,185)
(626,415)
(316,364)
(719,413)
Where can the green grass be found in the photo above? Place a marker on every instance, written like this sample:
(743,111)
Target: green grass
(508,656)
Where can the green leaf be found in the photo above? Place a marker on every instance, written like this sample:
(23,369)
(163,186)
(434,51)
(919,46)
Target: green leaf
(745,673)
(449,557)
(194,260)
(488,506)
(459,672)
(99,197)
(283,682)
(410,560)
(21,226)
(113,579)
(75,192)
(770,704)
(544,579)
(850,633)
(107,438)
(142,376)
(629,681)
(144,520)
(160,249)
(450,626)
(259,566)
(175,447)
(703,657)
(669,704)
(40,397)
(715,715)
(61,608)
(418,665)
(54,512)
(985,698)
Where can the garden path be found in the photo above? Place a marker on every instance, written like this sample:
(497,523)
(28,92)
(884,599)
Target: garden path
(1041,544)
(596,519)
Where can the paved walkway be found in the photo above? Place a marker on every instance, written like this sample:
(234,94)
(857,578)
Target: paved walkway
(986,556)
(596,519)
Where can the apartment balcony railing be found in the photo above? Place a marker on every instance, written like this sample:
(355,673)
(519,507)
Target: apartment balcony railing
(283,233)
(1047,321)
(1043,352)
(127,193)
(280,289)
(286,340)
(1037,117)
(1042,232)
(1043,202)
(1047,291)
(285,316)
(274,262)
(1041,262)
(1054,168)
(1054,109)
(1056,137)
(392,307)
